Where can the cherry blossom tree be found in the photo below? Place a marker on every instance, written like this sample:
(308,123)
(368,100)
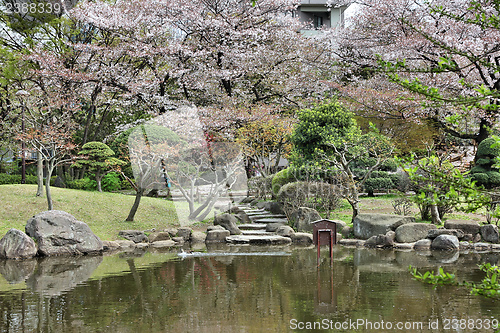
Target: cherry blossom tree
(207,52)
(265,142)
(54,145)
(200,168)
(438,59)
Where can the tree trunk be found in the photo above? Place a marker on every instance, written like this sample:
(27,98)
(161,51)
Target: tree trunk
(98,178)
(355,208)
(435,214)
(50,168)
(39,175)
(137,201)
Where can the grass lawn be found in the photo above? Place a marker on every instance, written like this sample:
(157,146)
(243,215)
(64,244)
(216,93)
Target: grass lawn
(105,213)
(382,204)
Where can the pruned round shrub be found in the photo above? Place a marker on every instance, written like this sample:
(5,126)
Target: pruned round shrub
(481,178)
(318,195)
(379,183)
(281,178)
(477,169)
(484,149)
(395,178)
(261,187)
(379,174)
(389,165)
(483,161)
(494,178)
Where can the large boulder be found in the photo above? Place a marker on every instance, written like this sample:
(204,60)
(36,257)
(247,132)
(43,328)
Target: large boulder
(243,217)
(412,232)
(468,227)
(162,244)
(382,241)
(60,233)
(433,233)
(198,237)
(217,236)
(228,221)
(368,225)
(302,218)
(273,227)
(17,245)
(489,232)
(340,224)
(302,238)
(135,236)
(110,245)
(276,208)
(347,231)
(185,233)
(422,245)
(158,236)
(285,231)
(445,242)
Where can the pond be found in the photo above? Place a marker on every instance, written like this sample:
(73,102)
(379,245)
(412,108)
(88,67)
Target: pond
(262,289)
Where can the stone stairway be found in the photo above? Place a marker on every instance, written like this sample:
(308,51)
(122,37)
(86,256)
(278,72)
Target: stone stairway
(262,230)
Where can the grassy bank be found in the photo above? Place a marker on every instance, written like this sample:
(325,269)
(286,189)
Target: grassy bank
(105,213)
(382,204)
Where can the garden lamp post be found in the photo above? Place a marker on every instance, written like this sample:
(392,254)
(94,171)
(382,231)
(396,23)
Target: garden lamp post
(22,93)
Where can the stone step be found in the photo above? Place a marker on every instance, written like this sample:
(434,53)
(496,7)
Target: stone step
(266,216)
(250,212)
(252,226)
(256,233)
(271,220)
(258,240)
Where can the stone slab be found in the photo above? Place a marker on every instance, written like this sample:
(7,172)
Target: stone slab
(258,240)
(368,225)
(264,216)
(252,226)
(256,232)
(351,242)
(272,220)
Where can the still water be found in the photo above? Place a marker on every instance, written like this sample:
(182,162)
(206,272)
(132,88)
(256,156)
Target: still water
(364,290)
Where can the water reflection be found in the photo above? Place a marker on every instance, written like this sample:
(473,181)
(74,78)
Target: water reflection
(17,271)
(55,275)
(158,292)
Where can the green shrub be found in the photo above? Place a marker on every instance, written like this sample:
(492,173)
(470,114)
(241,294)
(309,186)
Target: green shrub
(317,195)
(481,178)
(359,172)
(484,161)
(477,169)
(16,179)
(363,163)
(379,183)
(82,184)
(485,150)
(493,178)
(281,178)
(484,165)
(9,179)
(389,165)
(111,182)
(296,191)
(261,186)
(379,174)
(395,178)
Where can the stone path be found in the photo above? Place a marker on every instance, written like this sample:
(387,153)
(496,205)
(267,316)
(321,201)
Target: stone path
(261,230)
